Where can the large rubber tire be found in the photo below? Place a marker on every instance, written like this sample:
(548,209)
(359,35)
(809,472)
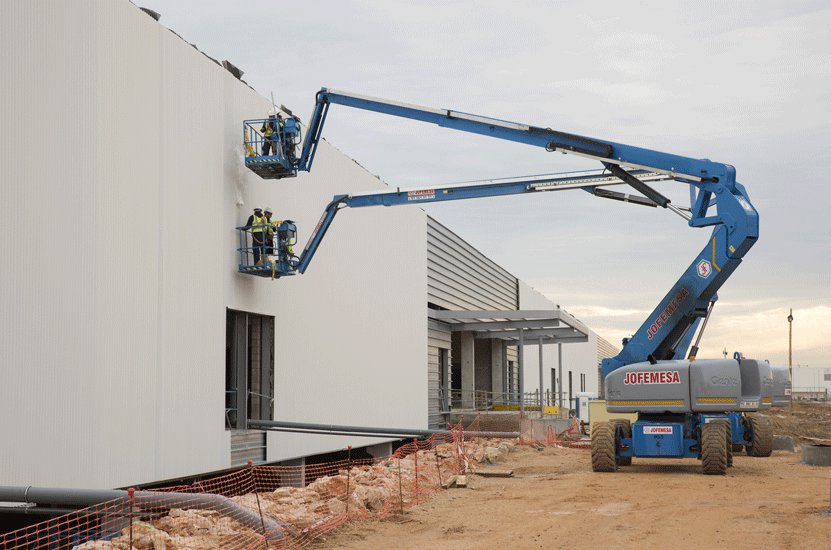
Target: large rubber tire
(623,428)
(714,448)
(729,443)
(761,436)
(603,447)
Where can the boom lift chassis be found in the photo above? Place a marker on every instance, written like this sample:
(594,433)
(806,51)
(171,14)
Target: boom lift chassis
(686,407)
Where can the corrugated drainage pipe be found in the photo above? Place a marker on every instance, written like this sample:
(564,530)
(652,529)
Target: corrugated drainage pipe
(200,501)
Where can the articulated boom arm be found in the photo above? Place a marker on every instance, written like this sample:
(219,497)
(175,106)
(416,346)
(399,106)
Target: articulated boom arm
(716,200)
(591,181)
(607,152)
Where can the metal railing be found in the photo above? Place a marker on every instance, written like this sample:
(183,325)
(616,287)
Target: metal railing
(810,394)
(258,251)
(232,406)
(481,400)
(280,143)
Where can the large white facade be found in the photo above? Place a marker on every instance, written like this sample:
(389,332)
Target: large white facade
(121,185)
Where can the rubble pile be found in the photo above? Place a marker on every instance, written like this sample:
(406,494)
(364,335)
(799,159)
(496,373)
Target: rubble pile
(805,421)
(377,490)
(181,530)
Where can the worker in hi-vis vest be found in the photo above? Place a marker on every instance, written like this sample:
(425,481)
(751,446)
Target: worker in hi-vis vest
(269,231)
(271,133)
(257,223)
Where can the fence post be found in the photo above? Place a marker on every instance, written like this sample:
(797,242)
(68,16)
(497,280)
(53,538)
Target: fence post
(131,494)
(400,491)
(348,475)
(438,466)
(415,478)
(257,495)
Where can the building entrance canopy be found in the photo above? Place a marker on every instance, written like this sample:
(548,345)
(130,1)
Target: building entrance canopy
(517,327)
(514,328)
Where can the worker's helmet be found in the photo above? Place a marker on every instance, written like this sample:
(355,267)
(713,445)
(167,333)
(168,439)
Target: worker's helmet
(272,113)
(268,210)
(257,209)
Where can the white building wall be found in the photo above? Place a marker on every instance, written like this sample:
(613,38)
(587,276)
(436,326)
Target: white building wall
(121,185)
(808,377)
(580,358)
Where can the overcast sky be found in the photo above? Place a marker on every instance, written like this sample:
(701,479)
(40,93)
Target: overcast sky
(746,83)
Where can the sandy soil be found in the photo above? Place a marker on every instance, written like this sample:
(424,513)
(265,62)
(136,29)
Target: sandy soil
(555,500)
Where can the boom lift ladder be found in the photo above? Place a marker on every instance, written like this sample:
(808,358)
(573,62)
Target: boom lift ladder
(716,200)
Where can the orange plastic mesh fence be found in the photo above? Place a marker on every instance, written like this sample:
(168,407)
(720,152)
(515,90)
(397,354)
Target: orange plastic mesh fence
(263,506)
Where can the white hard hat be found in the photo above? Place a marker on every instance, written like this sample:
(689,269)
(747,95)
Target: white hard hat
(268,209)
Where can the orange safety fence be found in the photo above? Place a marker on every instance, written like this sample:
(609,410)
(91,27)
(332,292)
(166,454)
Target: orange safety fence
(265,506)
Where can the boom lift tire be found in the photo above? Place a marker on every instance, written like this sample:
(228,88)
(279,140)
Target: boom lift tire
(623,428)
(603,447)
(729,431)
(714,448)
(761,436)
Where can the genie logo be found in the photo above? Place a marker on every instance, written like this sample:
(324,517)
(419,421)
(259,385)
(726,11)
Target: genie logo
(724,381)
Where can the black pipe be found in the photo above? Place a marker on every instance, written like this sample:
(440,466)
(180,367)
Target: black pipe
(361,431)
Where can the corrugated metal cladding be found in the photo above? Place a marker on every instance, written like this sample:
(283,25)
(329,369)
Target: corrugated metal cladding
(247,445)
(438,338)
(461,277)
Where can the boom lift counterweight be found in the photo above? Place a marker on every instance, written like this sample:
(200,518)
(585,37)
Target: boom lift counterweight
(686,407)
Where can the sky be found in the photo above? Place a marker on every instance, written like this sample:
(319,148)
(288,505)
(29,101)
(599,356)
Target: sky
(746,83)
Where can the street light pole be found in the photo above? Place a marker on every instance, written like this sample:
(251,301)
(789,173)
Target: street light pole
(790,341)
(790,353)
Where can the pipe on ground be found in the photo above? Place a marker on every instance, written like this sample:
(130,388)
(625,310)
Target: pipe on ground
(360,431)
(146,499)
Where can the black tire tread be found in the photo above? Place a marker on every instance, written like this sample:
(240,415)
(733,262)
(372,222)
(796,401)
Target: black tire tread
(761,437)
(603,447)
(625,431)
(714,448)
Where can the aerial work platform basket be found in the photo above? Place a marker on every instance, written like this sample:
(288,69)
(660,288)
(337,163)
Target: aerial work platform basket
(268,251)
(271,157)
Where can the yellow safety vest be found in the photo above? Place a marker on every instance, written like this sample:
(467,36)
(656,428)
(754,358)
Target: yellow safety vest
(268,128)
(257,224)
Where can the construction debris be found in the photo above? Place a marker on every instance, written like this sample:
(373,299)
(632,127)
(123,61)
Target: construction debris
(377,490)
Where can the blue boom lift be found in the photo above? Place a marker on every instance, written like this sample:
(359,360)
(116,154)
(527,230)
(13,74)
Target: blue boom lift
(686,407)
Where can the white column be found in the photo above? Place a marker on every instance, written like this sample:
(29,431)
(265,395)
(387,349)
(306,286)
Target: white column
(497,368)
(468,369)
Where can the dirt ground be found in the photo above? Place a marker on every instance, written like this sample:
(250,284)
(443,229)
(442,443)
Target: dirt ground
(555,500)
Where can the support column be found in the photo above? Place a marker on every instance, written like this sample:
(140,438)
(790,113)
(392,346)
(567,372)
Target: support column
(498,369)
(560,373)
(521,373)
(542,379)
(466,346)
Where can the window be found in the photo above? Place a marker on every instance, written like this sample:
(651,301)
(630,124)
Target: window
(249,368)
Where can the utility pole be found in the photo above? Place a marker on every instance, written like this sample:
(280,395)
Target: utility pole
(790,341)
(790,352)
